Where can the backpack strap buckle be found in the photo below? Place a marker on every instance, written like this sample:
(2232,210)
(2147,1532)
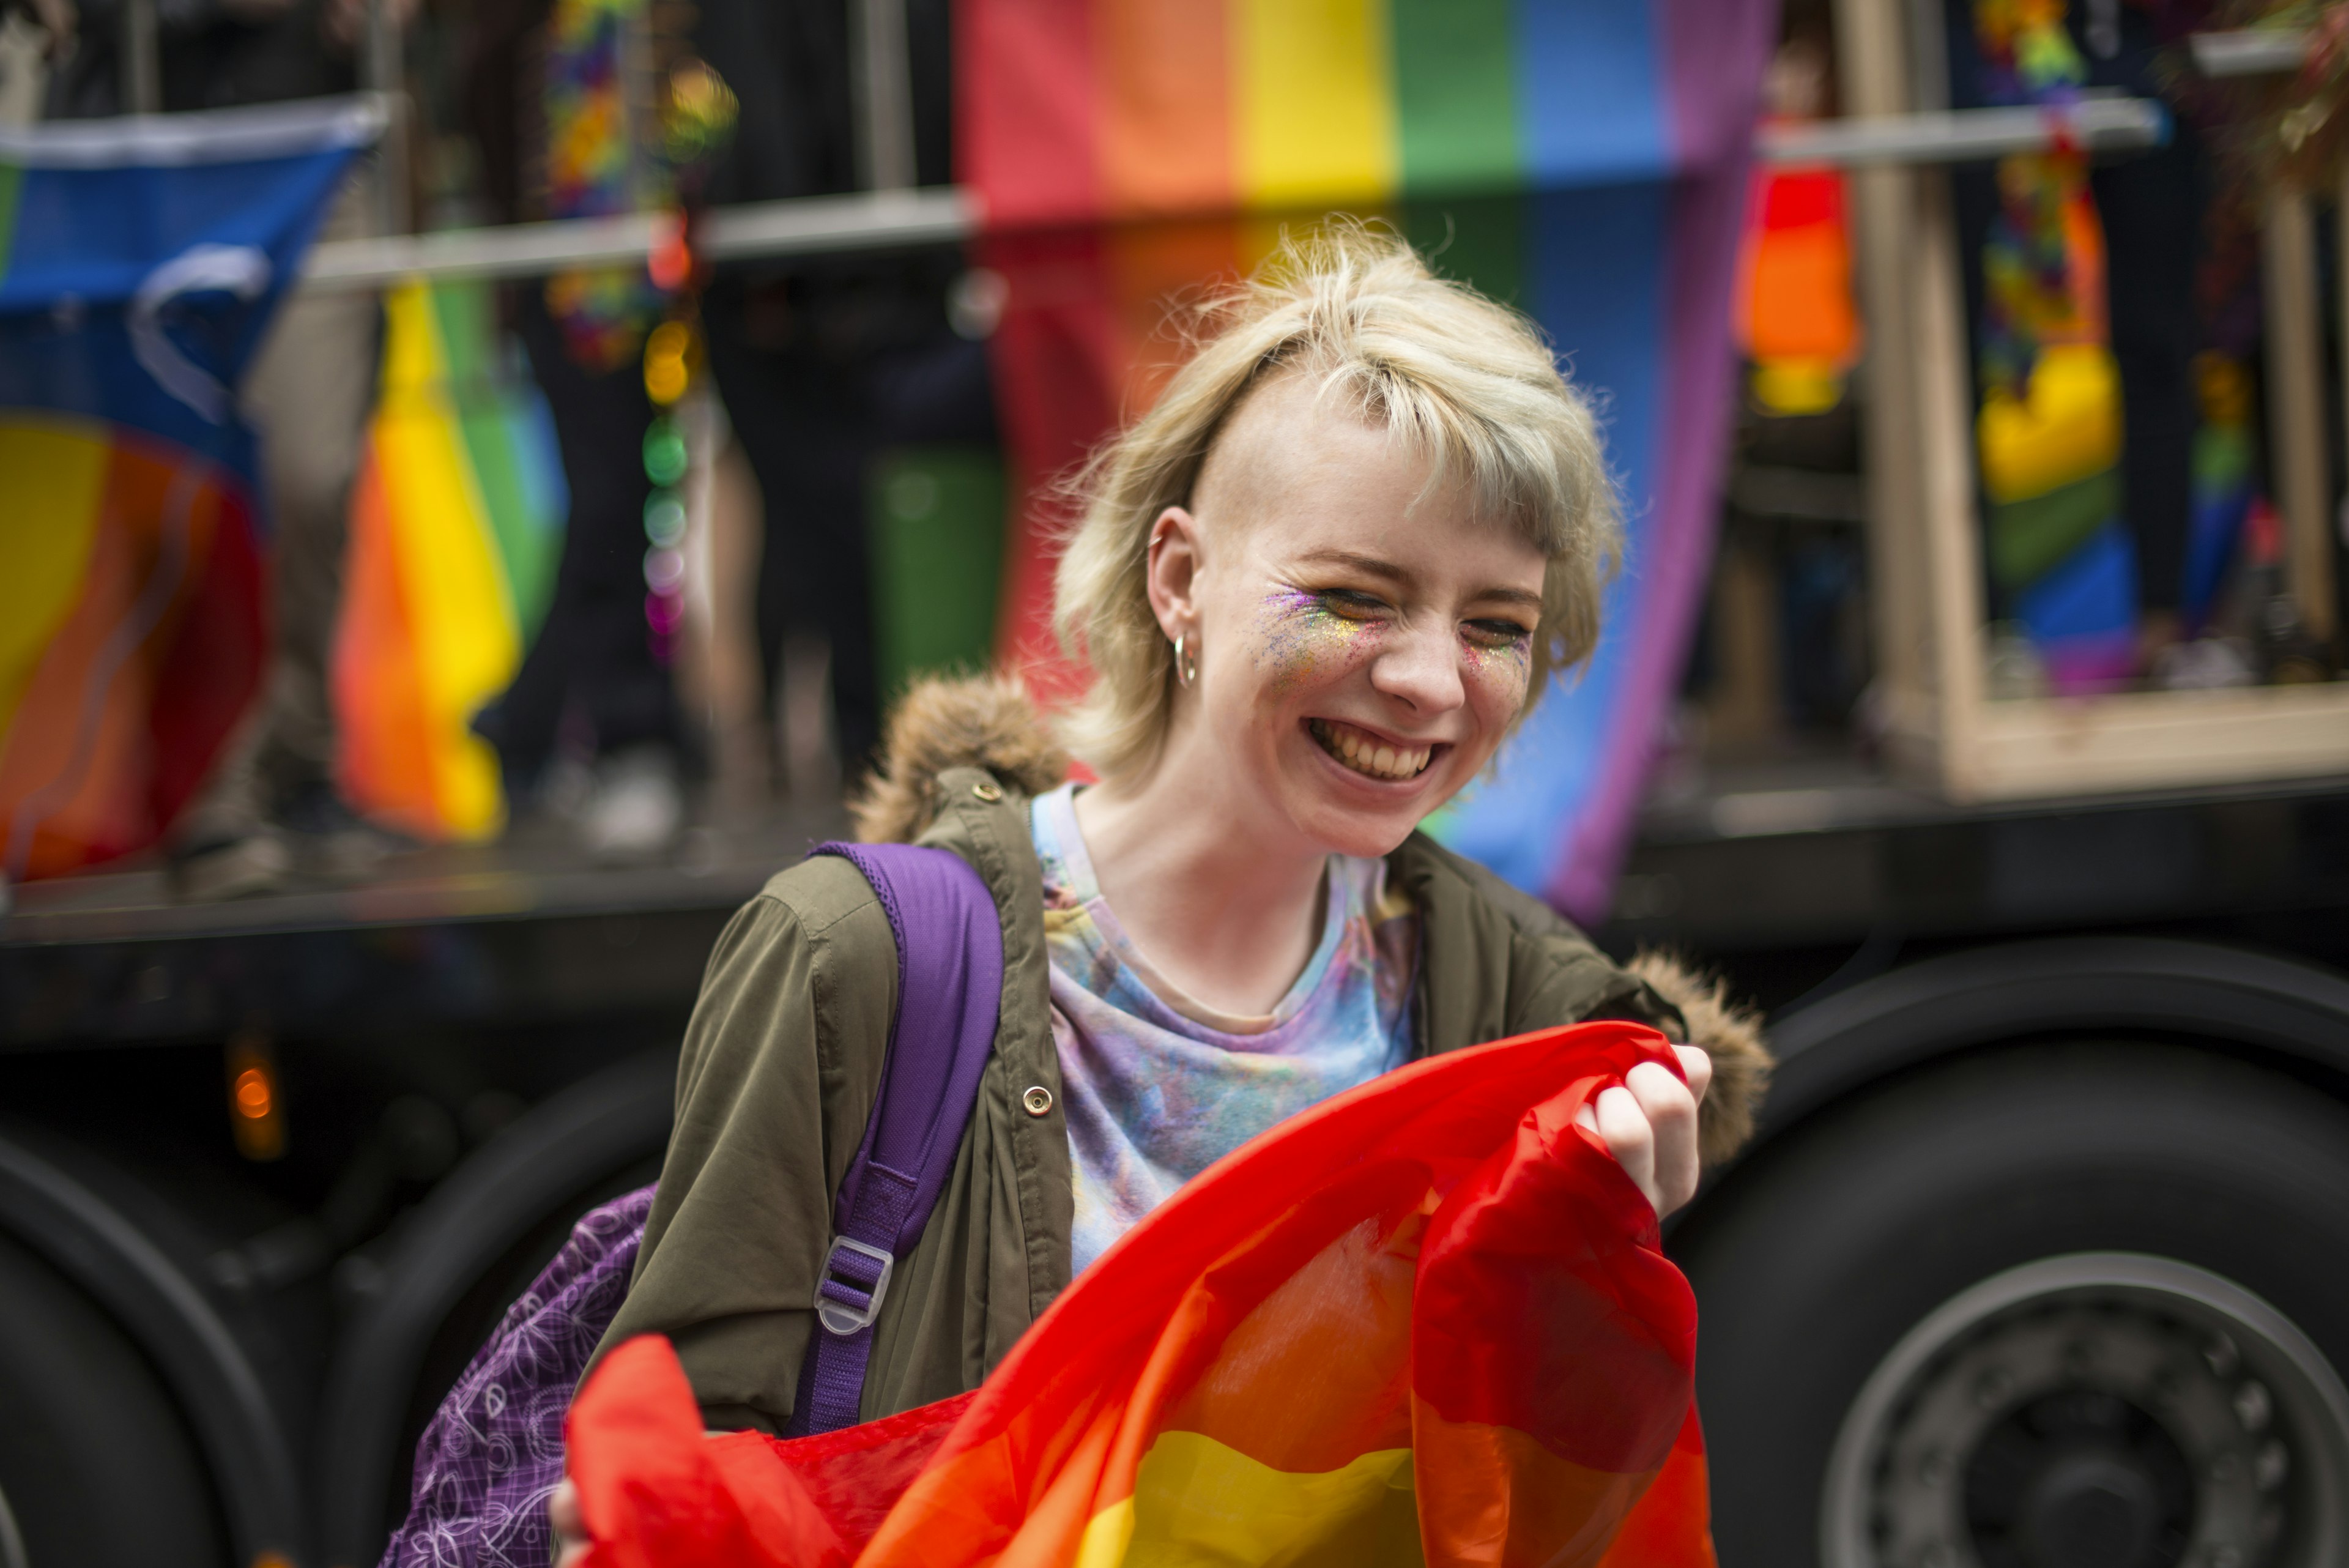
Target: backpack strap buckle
(856,1279)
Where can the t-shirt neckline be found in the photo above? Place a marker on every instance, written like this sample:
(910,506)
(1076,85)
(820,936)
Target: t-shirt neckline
(1066,845)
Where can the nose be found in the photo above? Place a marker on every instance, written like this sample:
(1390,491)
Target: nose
(1421,668)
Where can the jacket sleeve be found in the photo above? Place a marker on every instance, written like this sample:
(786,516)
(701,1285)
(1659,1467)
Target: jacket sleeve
(776,1079)
(1496,962)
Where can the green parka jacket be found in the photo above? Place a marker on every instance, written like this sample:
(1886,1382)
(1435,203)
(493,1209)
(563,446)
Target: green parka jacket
(783,1059)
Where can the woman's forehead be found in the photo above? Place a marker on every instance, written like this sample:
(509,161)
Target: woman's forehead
(1296,473)
(1293,447)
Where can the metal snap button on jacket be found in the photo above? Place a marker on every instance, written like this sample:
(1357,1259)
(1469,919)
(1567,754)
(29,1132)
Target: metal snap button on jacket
(988,791)
(1039,1101)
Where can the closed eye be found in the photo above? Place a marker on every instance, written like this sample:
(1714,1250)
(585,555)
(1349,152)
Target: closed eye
(1499,633)
(1352,603)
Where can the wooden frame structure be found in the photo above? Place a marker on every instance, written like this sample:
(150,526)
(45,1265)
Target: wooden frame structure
(1924,540)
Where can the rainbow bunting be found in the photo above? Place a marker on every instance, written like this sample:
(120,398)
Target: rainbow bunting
(1418,1324)
(456,524)
(2048,433)
(140,263)
(1795,318)
(1583,159)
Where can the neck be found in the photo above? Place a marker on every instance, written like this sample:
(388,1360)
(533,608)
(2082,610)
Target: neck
(1232,915)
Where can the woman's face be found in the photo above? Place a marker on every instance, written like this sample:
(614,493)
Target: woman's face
(1361,645)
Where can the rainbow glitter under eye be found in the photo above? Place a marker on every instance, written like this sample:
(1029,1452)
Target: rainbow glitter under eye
(1300,640)
(1510,663)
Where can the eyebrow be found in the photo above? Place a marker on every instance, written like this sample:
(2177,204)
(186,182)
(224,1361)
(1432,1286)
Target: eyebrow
(1375,567)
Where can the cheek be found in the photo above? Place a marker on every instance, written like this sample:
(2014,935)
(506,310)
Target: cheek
(1497,679)
(1298,645)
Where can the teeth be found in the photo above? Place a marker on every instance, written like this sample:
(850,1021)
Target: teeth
(1369,757)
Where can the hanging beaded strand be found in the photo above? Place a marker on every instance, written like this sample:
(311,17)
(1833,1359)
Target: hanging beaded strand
(668,353)
(699,116)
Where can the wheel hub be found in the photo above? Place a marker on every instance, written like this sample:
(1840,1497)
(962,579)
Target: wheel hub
(2091,1510)
(2091,1412)
(2079,1479)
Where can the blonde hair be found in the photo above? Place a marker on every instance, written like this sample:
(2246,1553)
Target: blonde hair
(1469,383)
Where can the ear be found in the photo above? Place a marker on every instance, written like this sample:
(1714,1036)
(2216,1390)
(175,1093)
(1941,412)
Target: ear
(1175,559)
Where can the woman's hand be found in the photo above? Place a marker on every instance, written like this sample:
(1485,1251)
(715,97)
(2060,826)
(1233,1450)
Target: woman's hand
(1649,1126)
(570,1526)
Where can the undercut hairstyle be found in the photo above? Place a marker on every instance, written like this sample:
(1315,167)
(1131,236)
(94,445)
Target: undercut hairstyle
(1469,385)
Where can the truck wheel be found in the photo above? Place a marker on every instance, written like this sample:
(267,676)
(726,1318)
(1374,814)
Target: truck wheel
(95,1467)
(2073,1306)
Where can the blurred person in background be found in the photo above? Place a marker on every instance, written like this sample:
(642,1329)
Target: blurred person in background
(822,363)
(272,811)
(34,35)
(590,730)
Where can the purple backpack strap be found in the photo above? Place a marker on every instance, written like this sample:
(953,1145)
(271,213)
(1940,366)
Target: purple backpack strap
(949,989)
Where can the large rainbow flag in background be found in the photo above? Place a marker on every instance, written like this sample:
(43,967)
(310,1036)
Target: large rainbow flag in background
(1583,159)
(1420,1323)
(140,263)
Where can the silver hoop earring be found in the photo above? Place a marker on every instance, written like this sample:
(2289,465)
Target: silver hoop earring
(1186,669)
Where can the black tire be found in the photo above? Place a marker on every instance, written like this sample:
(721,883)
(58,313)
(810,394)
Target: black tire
(1818,1256)
(97,1467)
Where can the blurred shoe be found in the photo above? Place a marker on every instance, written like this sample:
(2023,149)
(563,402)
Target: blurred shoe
(636,806)
(208,869)
(2205,664)
(330,840)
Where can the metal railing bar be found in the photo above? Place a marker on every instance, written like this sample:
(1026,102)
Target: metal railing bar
(1967,135)
(2249,52)
(883,220)
(816,225)
(141,65)
(883,86)
(942,214)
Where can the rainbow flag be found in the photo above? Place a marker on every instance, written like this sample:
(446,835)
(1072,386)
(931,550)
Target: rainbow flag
(1585,159)
(1420,1323)
(457,523)
(140,261)
(1795,319)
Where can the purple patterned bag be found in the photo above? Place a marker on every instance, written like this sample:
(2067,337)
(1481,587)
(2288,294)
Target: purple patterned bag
(493,1453)
(495,1449)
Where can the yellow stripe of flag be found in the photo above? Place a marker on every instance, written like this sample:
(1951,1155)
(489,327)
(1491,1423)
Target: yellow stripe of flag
(459,608)
(1313,102)
(1198,1501)
(53,479)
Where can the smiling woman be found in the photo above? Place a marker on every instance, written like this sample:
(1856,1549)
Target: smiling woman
(1317,584)
(1375,518)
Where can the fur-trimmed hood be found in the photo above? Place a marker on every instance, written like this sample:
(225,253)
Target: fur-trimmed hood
(978,722)
(990,722)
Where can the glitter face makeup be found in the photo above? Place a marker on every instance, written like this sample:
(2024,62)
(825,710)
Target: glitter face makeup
(1506,665)
(1302,642)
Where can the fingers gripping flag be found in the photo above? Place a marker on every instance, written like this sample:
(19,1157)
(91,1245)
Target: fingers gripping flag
(1421,1322)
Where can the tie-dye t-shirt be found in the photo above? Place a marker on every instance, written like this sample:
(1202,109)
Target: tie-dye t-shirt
(1156,1085)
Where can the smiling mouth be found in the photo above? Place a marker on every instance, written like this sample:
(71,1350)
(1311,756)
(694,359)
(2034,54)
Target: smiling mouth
(1369,756)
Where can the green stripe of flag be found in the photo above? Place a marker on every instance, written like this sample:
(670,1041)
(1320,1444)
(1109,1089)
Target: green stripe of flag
(1455,95)
(489,418)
